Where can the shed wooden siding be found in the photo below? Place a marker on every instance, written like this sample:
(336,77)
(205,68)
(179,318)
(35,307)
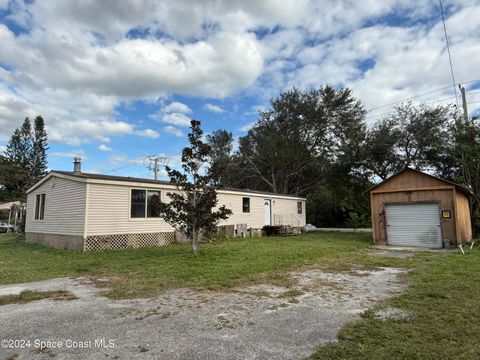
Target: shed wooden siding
(64,208)
(462,214)
(443,197)
(411,187)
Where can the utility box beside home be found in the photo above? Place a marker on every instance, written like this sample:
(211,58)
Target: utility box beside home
(415,209)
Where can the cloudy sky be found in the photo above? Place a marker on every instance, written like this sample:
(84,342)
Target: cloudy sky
(117,81)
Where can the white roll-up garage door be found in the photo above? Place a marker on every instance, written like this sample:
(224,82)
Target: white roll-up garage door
(414,225)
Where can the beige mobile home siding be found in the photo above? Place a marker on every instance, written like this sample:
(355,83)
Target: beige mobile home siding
(64,208)
(284,211)
(253,219)
(108,211)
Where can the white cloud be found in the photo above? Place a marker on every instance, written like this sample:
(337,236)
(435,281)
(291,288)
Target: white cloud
(76,63)
(150,133)
(177,107)
(178,119)
(247,126)
(4,4)
(214,108)
(83,66)
(82,130)
(70,154)
(173,131)
(214,67)
(104,147)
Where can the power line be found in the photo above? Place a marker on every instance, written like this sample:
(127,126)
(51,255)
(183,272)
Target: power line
(428,102)
(448,51)
(122,168)
(420,95)
(410,98)
(155,162)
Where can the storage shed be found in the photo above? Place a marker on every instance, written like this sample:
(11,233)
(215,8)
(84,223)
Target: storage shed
(412,208)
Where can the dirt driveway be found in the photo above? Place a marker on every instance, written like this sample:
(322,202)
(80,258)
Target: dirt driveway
(254,322)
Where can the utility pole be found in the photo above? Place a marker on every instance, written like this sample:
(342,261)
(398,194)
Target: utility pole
(464,104)
(154,165)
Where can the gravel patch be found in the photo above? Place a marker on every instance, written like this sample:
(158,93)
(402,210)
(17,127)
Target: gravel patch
(393,253)
(391,313)
(250,322)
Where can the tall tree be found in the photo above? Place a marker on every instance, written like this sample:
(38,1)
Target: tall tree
(422,132)
(19,147)
(25,159)
(14,180)
(379,153)
(301,136)
(39,149)
(220,159)
(461,162)
(191,209)
(277,158)
(412,136)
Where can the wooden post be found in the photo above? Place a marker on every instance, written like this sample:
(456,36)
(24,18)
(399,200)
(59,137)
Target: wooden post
(464,104)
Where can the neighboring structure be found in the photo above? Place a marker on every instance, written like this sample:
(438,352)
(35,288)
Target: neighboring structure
(413,208)
(9,205)
(15,211)
(75,210)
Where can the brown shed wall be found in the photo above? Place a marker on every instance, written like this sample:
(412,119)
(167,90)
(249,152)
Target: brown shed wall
(463,220)
(411,186)
(443,197)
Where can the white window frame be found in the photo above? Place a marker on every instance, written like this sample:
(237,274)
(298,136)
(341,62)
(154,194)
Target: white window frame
(300,207)
(249,204)
(40,202)
(146,217)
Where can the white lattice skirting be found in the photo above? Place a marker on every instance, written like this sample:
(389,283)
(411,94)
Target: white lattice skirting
(123,241)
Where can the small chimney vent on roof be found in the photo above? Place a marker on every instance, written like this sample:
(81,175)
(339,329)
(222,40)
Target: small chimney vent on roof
(77,165)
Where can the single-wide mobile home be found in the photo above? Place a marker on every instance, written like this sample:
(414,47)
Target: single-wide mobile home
(412,208)
(76,210)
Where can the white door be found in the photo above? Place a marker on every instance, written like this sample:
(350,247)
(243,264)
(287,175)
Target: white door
(414,225)
(268,212)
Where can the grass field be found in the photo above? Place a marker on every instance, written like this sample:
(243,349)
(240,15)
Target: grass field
(443,293)
(148,271)
(444,296)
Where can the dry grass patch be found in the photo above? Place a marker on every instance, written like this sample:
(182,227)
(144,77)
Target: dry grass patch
(27,296)
(291,294)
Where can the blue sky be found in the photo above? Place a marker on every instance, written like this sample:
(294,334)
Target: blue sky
(119,81)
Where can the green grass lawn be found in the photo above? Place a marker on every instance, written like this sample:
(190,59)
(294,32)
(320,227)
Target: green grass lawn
(148,271)
(443,293)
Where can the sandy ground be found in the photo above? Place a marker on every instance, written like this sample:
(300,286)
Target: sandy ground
(253,322)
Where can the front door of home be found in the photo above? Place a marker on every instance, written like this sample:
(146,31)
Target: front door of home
(268,212)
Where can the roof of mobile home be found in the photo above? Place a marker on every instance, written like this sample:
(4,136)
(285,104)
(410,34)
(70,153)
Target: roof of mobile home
(110,179)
